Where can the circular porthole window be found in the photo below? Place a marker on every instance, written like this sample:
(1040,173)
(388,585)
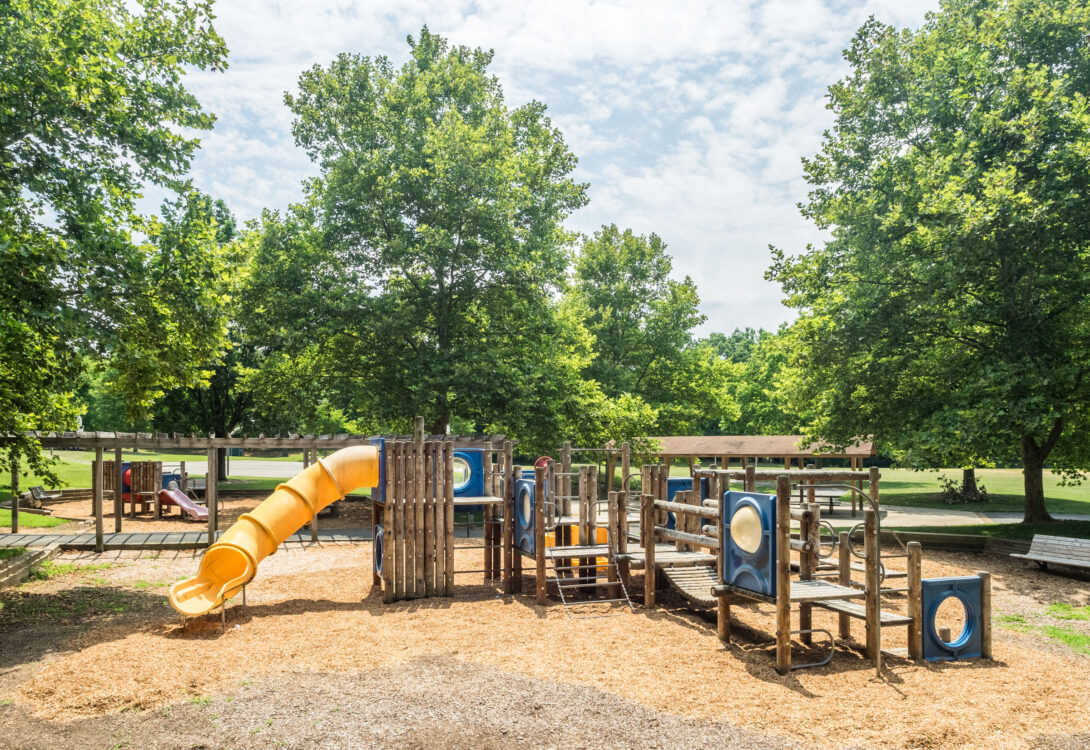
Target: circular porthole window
(745,529)
(463,474)
(526,508)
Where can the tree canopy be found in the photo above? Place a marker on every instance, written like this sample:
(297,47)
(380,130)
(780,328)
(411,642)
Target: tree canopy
(92,107)
(948,313)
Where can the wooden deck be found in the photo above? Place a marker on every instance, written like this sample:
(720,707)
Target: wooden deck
(858,611)
(161,540)
(818,591)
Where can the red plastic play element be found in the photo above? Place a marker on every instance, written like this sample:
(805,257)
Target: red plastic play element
(542,462)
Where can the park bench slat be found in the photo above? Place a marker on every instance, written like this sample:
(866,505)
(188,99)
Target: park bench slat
(1058,550)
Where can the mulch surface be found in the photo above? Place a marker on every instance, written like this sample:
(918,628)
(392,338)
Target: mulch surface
(97,658)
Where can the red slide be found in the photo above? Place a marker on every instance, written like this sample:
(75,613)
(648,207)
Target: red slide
(179,498)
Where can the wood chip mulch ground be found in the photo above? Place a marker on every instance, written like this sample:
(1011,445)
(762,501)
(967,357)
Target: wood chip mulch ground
(315,658)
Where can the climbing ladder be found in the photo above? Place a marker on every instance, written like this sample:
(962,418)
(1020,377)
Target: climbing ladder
(577,569)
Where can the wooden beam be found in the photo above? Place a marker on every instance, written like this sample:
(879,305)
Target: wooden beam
(845,579)
(15,494)
(872,599)
(448,510)
(783,574)
(390,532)
(915,601)
(985,614)
(647,529)
(508,490)
(119,508)
(418,501)
(539,532)
(99,547)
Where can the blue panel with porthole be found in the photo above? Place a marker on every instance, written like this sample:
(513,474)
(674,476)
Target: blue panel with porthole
(748,541)
(525,492)
(469,473)
(966,590)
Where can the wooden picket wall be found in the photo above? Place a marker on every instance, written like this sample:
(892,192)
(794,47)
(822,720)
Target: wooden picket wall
(418,557)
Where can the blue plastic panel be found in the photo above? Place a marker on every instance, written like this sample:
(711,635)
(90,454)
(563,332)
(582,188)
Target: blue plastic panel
(524,523)
(673,486)
(474,486)
(754,571)
(934,591)
(378,494)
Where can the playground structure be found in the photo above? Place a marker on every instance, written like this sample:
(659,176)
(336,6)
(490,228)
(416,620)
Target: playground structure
(587,540)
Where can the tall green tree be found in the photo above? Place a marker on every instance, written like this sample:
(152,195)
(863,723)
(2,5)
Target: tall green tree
(950,311)
(92,108)
(760,384)
(440,240)
(641,321)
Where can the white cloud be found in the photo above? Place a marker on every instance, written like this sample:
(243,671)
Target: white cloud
(689,117)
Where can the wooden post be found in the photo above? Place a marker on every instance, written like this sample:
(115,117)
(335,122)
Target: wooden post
(99,545)
(611,468)
(806,573)
(119,508)
(448,508)
(626,469)
(209,494)
(985,614)
(418,502)
(874,476)
(592,511)
(751,479)
(915,601)
(443,534)
(647,529)
(722,624)
(402,559)
(516,555)
(388,516)
(692,466)
(613,535)
(15,491)
(565,481)
(486,516)
(845,579)
(496,490)
(783,574)
(539,532)
(428,502)
(508,490)
(872,600)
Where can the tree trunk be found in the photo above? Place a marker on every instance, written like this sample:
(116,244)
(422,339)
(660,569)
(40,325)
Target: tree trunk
(968,482)
(221,463)
(439,426)
(1033,467)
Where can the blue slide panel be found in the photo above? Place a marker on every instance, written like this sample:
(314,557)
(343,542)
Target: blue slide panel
(378,494)
(753,569)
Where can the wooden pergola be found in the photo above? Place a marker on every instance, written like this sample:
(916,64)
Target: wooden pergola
(118,441)
(745,448)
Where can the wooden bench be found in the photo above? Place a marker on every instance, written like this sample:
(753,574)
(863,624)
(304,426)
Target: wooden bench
(1058,550)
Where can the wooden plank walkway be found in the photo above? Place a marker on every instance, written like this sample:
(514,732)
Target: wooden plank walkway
(695,584)
(163,540)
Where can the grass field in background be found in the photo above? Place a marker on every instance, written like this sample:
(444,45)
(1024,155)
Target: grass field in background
(922,489)
(29,520)
(1024,531)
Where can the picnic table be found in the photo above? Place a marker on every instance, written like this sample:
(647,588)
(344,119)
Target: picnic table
(831,495)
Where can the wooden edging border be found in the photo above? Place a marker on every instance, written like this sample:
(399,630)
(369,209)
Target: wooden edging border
(15,571)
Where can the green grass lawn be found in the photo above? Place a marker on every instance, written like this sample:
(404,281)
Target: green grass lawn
(922,489)
(1025,531)
(29,521)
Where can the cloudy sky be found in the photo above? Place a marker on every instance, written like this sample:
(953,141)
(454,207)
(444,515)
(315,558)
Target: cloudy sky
(688,118)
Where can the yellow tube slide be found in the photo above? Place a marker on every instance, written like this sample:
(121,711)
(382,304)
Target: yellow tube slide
(232,562)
